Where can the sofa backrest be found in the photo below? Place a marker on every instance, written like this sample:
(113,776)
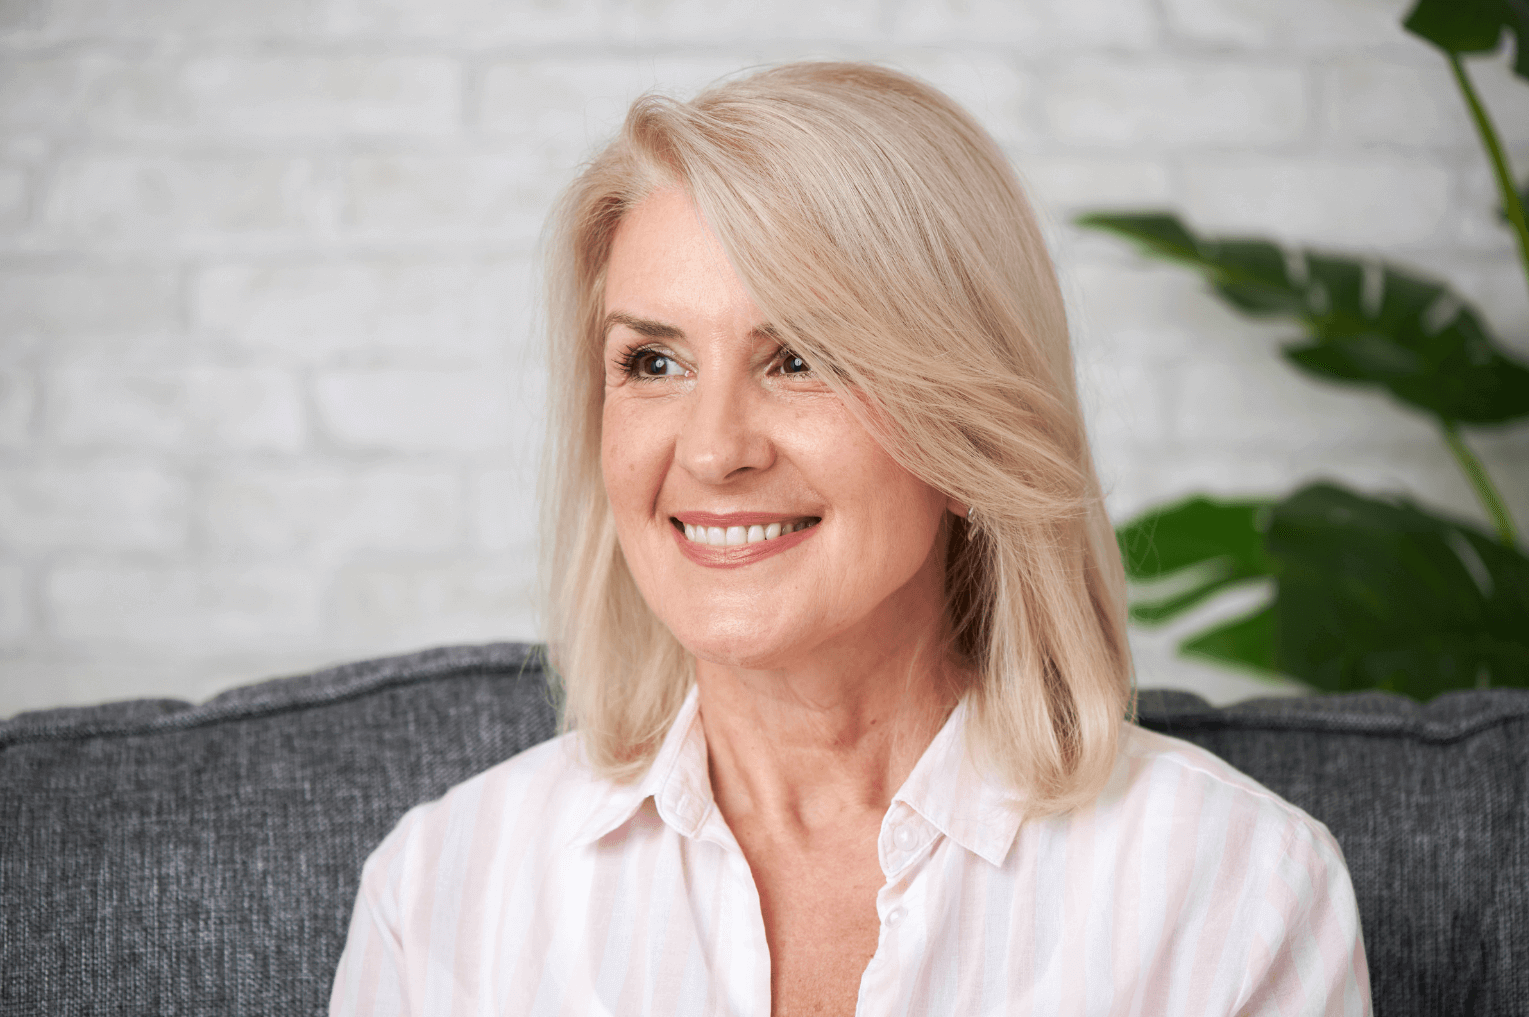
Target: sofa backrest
(158,857)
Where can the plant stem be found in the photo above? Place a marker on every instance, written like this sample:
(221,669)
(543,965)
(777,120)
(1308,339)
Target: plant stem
(1510,200)
(1476,473)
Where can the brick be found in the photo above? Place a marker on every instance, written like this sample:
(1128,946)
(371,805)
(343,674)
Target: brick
(18,16)
(503,195)
(84,305)
(569,106)
(51,94)
(314,512)
(1495,288)
(1157,103)
(181,608)
(185,409)
(417,411)
(1366,99)
(1479,222)
(479,20)
(105,508)
(443,312)
(1309,24)
(1077,184)
(155,19)
(1362,202)
(18,400)
(1039,26)
(161,200)
(431,605)
(505,510)
(316,96)
(1127,407)
(1174,471)
(1137,312)
(1271,408)
(742,21)
(16,614)
(14,199)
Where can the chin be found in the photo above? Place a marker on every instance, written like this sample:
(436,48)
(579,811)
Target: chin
(739,645)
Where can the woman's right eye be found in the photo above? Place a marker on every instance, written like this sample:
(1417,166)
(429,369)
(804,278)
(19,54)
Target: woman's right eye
(650,364)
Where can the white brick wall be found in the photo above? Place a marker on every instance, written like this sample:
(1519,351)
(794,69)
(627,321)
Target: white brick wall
(270,391)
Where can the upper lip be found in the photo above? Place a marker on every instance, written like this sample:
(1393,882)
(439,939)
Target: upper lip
(738,518)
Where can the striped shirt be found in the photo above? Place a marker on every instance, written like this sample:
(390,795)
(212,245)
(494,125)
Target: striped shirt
(539,888)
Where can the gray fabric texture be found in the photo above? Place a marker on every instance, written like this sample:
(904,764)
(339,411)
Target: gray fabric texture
(163,858)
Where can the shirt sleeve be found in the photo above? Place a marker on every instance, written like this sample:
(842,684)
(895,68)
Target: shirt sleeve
(1308,950)
(370,979)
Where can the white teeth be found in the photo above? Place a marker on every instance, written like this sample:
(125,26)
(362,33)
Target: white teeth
(733,536)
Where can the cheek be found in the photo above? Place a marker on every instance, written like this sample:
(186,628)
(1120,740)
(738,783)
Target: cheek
(632,459)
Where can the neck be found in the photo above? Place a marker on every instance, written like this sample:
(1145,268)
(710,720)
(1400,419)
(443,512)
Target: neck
(797,746)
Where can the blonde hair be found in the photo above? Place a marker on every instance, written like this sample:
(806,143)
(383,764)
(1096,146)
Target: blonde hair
(883,234)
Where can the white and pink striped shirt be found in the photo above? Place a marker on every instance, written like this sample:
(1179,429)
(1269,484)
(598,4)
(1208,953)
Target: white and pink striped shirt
(539,888)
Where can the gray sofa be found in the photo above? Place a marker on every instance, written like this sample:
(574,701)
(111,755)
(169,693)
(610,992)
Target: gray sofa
(163,858)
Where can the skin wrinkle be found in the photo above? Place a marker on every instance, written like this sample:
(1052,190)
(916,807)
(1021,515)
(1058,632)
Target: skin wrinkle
(822,670)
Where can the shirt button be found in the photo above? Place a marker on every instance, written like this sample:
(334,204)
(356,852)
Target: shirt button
(903,837)
(895,915)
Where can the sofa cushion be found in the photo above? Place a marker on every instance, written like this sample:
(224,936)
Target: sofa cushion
(158,857)
(163,858)
(1431,806)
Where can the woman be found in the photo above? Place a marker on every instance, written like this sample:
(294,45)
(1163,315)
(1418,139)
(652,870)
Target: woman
(839,618)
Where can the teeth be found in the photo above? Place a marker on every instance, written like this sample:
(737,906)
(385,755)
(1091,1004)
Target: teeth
(734,536)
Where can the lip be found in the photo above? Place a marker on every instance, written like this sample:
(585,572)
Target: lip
(738,555)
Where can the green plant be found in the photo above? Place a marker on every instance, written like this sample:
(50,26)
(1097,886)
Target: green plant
(1368,592)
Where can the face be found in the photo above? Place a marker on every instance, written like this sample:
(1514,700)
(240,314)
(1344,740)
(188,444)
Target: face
(762,523)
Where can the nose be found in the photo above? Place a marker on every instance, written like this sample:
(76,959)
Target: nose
(722,437)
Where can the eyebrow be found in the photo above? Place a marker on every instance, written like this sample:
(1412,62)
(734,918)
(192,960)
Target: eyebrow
(642,326)
(650,329)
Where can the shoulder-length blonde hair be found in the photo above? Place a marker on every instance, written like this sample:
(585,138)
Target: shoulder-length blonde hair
(884,236)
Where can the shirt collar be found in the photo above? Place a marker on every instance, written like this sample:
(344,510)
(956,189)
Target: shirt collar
(946,790)
(949,792)
(678,781)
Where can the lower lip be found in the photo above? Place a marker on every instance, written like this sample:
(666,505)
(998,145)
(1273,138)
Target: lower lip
(739,555)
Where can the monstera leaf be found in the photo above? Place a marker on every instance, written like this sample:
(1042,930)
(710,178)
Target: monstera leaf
(1367,323)
(1368,592)
(1473,26)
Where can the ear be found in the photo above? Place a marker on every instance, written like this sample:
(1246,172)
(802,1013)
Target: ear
(958,508)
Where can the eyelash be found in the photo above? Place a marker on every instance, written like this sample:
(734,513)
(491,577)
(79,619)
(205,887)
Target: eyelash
(630,360)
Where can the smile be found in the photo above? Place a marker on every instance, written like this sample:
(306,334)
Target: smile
(734,536)
(729,542)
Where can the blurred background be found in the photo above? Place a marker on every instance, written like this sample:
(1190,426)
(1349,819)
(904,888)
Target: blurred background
(270,376)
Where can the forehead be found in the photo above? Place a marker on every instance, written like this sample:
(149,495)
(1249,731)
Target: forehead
(667,265)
